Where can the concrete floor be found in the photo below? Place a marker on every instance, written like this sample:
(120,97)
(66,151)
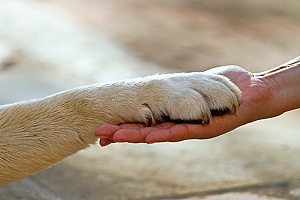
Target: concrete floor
(257,161)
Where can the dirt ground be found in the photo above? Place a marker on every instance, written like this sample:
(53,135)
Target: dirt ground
(196,35)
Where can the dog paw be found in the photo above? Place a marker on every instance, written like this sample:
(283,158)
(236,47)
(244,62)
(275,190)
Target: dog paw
(187,97)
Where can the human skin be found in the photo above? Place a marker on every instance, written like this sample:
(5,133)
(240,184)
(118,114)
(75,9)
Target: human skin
(264,95)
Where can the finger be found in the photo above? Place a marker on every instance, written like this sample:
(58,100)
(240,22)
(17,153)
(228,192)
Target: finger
(174,133)
(132,126)
(106,131)
(165,125)
(104,142)
(137,133)
(133,135)
(179,132)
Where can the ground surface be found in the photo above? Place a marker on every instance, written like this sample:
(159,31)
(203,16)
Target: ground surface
(49,46)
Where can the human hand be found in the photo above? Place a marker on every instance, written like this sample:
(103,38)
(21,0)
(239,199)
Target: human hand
(255,104)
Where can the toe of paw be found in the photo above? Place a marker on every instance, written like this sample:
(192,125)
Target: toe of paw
(219,112)
(222,111)
(201,120)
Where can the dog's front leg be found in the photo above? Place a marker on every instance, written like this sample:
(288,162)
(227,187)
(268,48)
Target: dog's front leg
(36,134)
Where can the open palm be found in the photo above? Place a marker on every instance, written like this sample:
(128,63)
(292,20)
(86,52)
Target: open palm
(254,103)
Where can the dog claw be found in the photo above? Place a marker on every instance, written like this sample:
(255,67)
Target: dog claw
(206,119)
(233,109)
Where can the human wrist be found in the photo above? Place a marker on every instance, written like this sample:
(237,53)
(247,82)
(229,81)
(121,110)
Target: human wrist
(284,84)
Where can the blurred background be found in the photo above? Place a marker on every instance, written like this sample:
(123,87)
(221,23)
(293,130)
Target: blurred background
(49,46)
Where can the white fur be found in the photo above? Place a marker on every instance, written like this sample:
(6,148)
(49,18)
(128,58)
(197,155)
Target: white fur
(36,134)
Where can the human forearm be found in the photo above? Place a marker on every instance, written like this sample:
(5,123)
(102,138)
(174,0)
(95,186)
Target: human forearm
(284,82)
